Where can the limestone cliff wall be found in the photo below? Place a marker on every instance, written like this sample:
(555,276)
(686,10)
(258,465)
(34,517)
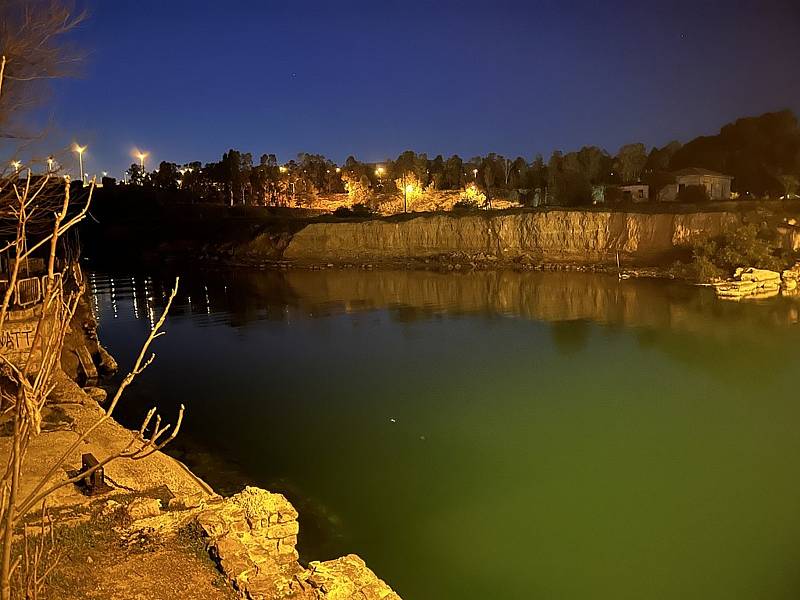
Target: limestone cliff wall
(558,235)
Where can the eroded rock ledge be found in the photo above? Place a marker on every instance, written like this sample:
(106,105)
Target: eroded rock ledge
(550,236)
(253,536)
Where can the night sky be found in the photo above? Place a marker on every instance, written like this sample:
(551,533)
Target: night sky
(186,80)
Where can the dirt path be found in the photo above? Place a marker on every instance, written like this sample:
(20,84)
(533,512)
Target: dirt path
(103,552)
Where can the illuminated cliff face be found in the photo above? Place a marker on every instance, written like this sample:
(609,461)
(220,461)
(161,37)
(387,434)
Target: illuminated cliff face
(575,236)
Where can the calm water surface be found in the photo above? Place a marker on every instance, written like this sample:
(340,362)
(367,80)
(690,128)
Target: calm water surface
(491,435)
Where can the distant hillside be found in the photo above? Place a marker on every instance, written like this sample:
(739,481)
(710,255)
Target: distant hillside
(762,153)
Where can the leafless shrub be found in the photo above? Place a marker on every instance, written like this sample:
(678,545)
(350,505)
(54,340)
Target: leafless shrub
(39,556)
(35,215)
(34,52)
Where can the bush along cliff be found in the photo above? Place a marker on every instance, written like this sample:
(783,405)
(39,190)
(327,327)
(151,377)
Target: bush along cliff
(714,257)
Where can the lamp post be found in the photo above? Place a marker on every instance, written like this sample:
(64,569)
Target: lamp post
(407,189)
(379,175)
(405,194)
(141,156)
(49,164)
(283,169)
(16,164)
(80,150)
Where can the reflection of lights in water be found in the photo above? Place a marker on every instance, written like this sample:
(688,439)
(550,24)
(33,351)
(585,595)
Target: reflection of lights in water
(135,300)
(148,288)
(95,306)
(208,302)
(151,317)
(113,296)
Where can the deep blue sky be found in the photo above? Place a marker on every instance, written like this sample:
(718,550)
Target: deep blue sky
(187,80)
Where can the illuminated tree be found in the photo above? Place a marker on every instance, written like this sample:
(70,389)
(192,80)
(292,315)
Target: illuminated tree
(358,187)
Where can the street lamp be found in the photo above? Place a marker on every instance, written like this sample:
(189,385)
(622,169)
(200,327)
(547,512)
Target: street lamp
(141,156)
(475,173)
(16,164)
(49,164)
(406,191)
(80,150)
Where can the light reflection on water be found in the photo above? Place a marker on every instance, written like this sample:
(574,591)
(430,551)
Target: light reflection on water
(521,435)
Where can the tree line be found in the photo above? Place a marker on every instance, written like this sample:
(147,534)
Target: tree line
(761,153)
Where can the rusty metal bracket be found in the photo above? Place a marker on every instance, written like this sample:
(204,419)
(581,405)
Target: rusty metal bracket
(95,482)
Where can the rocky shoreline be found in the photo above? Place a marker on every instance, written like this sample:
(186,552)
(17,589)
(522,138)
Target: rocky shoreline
(754,283)
(459,262)
(253,535)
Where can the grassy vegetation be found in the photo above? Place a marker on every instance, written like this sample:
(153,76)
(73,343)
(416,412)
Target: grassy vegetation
(95,553)
(743,246)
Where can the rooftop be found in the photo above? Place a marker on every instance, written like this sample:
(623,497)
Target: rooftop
(699,171)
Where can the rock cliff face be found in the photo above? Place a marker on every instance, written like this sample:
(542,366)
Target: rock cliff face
(552,236)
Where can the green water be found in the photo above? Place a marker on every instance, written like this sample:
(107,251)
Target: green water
(492,435)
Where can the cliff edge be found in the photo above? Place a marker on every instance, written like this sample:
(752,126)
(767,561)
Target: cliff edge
(549,236)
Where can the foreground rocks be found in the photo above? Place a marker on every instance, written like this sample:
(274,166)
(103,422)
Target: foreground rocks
(791,277)
(253,536)
(757,284)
